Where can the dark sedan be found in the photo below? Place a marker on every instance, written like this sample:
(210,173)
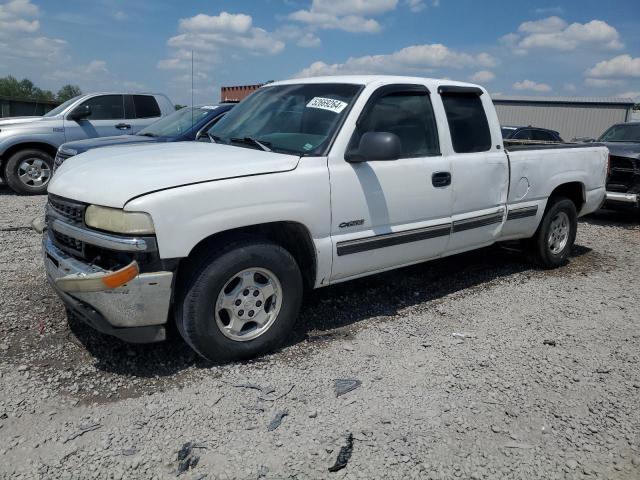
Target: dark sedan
(181,126)
(530,133)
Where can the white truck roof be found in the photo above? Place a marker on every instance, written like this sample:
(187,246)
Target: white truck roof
(375,79)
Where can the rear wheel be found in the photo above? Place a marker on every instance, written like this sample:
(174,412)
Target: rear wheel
(552,243)
(29,171)
(240,302)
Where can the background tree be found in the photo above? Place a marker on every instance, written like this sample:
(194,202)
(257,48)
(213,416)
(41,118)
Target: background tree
(68,91)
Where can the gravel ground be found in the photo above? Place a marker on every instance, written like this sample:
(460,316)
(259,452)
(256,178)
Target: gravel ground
(477,366)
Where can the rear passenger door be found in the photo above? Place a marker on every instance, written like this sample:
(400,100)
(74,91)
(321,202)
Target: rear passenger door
(106,119)
(479,168)
(390,213)
(141,111)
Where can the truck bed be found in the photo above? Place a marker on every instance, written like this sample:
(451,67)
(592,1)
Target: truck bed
(519,145)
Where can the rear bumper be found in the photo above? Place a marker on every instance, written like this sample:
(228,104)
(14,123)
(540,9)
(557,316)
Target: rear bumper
(627,199)
(135,312)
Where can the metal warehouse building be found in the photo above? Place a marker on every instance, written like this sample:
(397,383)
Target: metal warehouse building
(571,116)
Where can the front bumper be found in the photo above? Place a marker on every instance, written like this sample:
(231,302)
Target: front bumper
(135,312)
(628,199)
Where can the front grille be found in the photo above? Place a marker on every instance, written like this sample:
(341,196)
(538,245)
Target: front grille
(69,210)
(68,244)
(59,160)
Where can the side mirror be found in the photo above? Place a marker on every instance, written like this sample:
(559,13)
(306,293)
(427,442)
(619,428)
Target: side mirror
(83,111)
(376,146)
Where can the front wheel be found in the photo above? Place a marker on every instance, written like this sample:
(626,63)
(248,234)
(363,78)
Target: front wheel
(29,171)
(552,243)
(240,302)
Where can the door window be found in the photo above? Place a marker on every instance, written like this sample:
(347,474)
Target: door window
(106,107)
(409,115)
(146,106)
(543,136)
(467,122)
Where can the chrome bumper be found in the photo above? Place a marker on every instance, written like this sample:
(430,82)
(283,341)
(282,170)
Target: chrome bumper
(628,198)
(141,302)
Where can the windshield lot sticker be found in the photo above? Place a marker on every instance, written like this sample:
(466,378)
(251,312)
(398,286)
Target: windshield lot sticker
(307,146)
(335,106)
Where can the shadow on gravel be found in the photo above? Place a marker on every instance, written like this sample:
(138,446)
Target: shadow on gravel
(627,219)
(327,313)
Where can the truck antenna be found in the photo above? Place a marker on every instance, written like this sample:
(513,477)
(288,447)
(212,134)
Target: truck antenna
(192,89)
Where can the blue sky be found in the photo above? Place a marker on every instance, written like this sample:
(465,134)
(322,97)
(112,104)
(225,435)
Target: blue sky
(576,48)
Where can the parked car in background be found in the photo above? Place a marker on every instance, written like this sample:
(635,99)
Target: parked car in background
(310,182)
(28,145)
(530,133)
(623,184)
(188,123)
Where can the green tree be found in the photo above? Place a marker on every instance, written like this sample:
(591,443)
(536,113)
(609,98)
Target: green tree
(68,91)
(178,106)
(24,89)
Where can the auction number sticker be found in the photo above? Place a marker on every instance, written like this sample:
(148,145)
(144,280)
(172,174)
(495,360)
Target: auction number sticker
(331,104)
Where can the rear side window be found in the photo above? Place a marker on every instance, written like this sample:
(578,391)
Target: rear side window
(467,122)
(106,107)
(407,114)
(146,106)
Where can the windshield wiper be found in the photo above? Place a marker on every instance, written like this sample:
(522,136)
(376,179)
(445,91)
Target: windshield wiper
(252,141)
(148,134)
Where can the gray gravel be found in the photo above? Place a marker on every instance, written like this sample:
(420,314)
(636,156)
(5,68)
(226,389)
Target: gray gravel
(477,366)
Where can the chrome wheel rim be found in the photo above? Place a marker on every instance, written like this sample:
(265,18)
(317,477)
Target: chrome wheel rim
(34,172)
(558,232)
(248,304)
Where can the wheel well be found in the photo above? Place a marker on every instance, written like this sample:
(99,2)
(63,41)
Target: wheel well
(50,149)
(574,191)
(292,236)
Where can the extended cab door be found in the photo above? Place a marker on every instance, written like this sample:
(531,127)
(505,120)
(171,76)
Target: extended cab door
(479,167)
(393,212)
(106,119)
(140,111)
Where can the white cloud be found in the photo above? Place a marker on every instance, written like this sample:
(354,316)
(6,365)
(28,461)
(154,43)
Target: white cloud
(602,82)
(569,87)
(207,36)
(620,66)
(301,37)
(553,33)
(416,59)
(531,86)
(416,5)
(18,16)
(482,76)
(348,15)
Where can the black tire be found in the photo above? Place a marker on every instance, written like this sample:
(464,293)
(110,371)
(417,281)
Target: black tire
(540,252)
(203,281)
(13,171)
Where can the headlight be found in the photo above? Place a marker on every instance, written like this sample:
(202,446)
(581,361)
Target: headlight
(118,221)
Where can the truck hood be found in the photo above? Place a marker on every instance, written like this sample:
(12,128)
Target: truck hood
(81,146)
(6,122)
(112,176)
(624,149)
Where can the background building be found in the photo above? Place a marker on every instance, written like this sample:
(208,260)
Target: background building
(571,116)
(237,93)
(13,107)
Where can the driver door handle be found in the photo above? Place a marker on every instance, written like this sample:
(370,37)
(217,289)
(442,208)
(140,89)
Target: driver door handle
(123,126)
(441,179)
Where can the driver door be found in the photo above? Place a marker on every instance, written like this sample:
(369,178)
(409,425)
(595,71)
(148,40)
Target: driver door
(391,213)
(106,119)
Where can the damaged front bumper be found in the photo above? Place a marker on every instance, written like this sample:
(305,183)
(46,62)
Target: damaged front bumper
(125,303)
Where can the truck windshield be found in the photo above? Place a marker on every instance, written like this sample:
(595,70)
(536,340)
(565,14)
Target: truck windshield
(60,108)
(178,122)
(300,119)
(622,133)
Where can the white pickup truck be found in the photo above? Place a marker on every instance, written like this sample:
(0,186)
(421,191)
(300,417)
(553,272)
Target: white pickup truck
(305,183)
